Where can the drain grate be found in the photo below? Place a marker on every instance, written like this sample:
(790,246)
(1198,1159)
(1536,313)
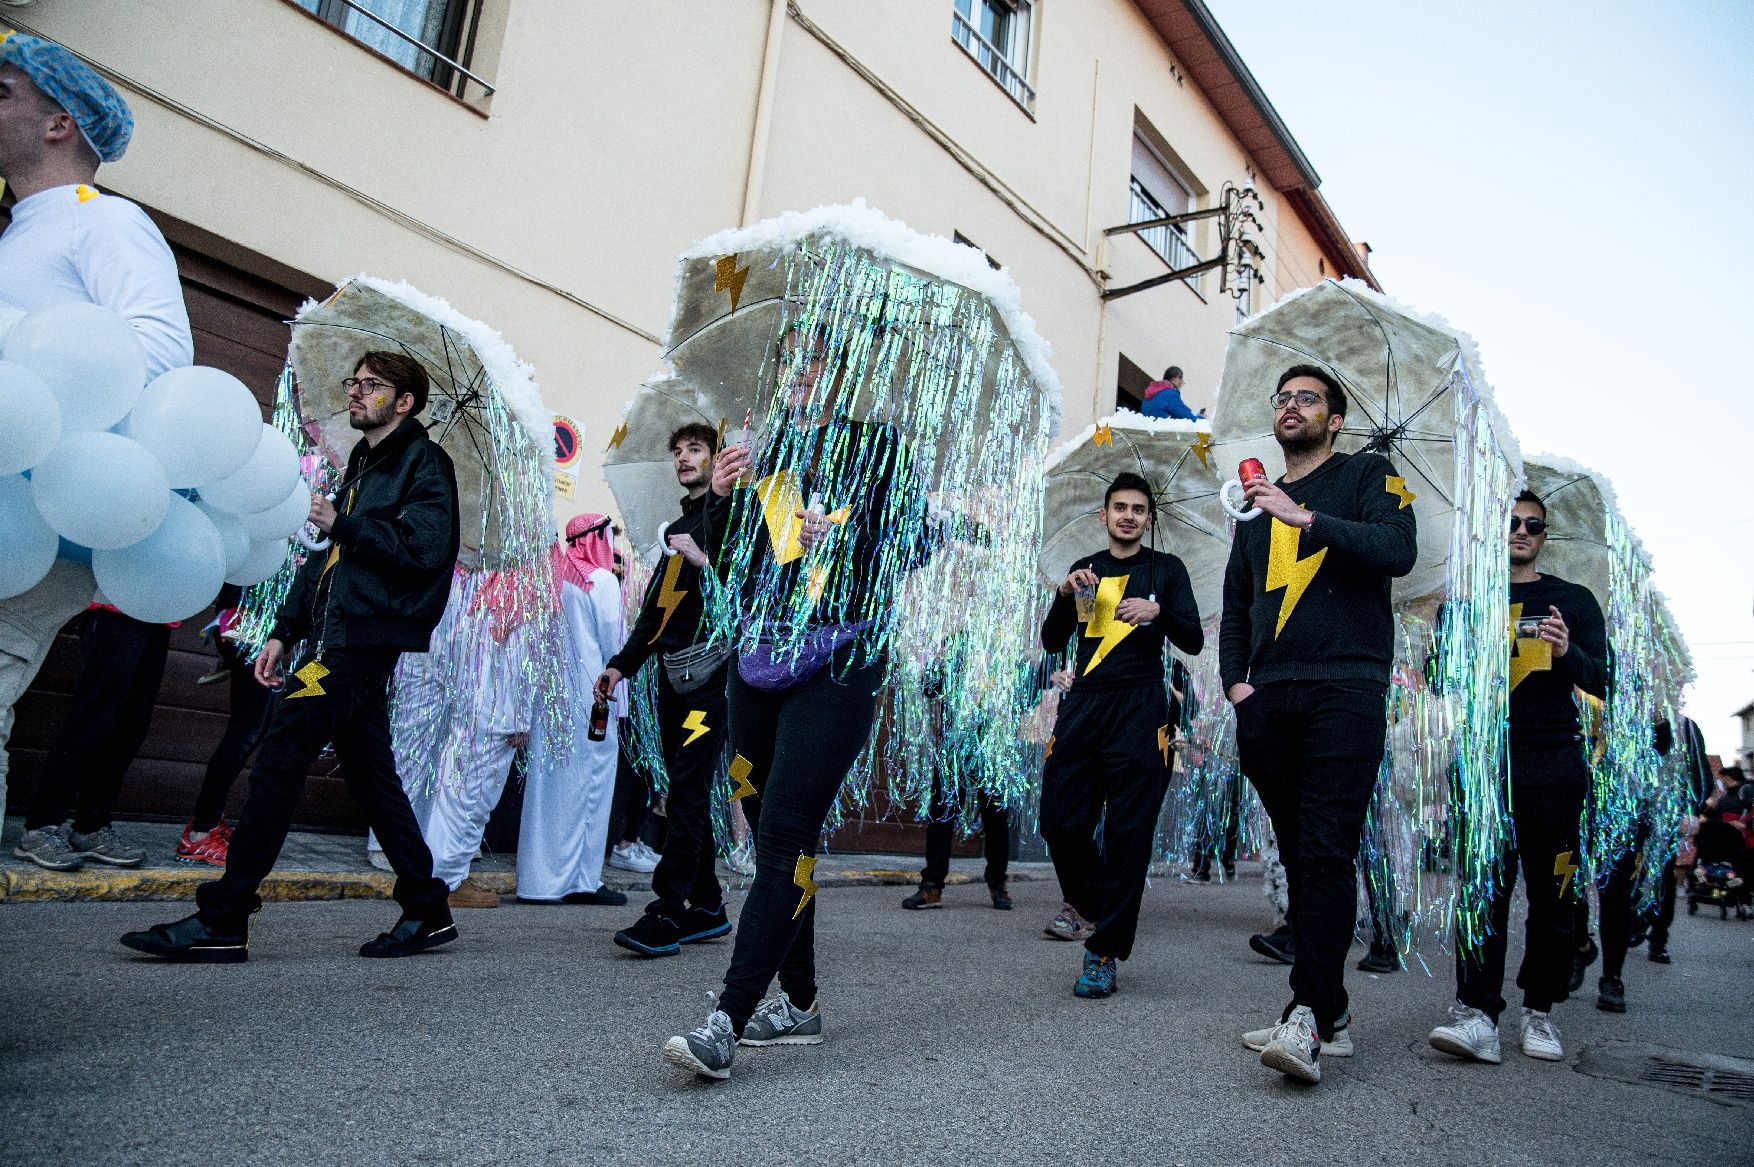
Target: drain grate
(1702,1079)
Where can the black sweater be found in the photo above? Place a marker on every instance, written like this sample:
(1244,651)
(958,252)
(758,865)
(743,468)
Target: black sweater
(1314,604)
(670,617)
(1115,655)
(1541,704)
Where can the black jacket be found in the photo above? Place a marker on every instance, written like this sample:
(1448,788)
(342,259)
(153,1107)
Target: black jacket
(670,617)
(385,581)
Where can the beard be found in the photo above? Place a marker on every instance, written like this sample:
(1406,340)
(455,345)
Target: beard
(369,418)
(1519,557)
(1307,443)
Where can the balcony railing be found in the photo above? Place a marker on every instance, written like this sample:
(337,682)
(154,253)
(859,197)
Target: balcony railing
(440,69)
(1167,242)
(997,65)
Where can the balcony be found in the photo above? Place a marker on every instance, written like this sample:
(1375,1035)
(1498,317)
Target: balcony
(989,57)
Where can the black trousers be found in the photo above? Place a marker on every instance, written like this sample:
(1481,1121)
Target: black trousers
(799,744)
(1665,913)
(247,718)
(120,669)
(349,707)
(941,832)
(1210,839)
(1107,762)
(632,801)
(1618,918)
(686,873)
(1313,750)
(1548,783)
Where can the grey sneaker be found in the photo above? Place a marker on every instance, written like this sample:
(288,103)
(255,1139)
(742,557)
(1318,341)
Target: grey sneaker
(706,1051)
(1541,1036)
(1339,1046)
(777,1021)
(1067,924)
(1470,1034)
(1294,1049)
(47,847)
(106,846)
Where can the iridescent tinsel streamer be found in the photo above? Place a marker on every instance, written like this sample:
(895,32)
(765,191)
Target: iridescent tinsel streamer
(1668,798)
(962,519)
(1209,797)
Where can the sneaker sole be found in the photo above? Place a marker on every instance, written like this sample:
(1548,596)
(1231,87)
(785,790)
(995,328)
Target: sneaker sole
(677,1053)
(1328,1050)
(415,947)
(94,857)
(921,907)
(793,1039)
(639,949)
(70,865)
(1092,994)
(712,933)
(194,861)
(1461,1049)
(228,955)
(1544,1056)
(1607,1008)
(1269,952)
(1277,1057)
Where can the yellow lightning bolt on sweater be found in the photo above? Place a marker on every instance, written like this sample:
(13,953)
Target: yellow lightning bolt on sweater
(1105,623)
(695,724)
(669,595)
(1286,570)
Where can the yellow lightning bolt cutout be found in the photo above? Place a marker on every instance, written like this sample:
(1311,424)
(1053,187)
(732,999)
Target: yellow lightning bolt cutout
(1104,623)
(741,768)
(727,276)
(619,436)
(1397,486)
(1286,570)
(1562,865)
(801,873)
(723,422)
(1104,436)
(669,595)
(1163,742)
(696,724)
(1528,654)
(1202,449)
(780,503)
(312,675)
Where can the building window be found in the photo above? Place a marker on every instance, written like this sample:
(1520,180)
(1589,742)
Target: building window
(433,39)
(996,34)
(1130,384)
(1156,192)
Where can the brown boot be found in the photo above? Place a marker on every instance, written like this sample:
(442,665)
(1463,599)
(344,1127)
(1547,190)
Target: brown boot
(470,894)
(929,896)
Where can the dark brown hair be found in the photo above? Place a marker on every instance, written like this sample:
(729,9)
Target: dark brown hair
(696,431)
(404,373)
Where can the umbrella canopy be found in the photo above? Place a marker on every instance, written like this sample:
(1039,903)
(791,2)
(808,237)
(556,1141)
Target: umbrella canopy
(484,408)
(1408,381)
(1578,506)
(639,467)
(1173,456)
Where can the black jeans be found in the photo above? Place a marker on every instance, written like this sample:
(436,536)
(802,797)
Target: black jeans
(941,832)
(248,717)
(1313,750)
(1107,762)
(349,706)
(120,669)
(1665,913)
(1548,783)
(799,745)
(686,874)
(1618,918)
(632,801)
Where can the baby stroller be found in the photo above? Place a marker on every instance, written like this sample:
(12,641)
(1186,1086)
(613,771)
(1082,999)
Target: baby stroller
(1716,879)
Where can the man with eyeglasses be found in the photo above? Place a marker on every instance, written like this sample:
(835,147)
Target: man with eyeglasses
(1560,644)
(1305,651)
(377,592)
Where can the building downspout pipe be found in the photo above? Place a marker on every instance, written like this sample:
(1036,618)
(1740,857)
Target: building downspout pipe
(770,69)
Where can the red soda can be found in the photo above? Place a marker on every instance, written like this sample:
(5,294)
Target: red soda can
(1249,470)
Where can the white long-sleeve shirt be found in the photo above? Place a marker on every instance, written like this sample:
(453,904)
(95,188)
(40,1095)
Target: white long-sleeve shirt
(71,244)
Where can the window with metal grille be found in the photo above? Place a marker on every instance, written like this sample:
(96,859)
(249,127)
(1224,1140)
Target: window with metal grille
(1155,192)
(996,34)
(433,39)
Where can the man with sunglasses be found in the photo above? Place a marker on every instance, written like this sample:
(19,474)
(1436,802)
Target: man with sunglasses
(377,592)
(1560,645)
(1305,652)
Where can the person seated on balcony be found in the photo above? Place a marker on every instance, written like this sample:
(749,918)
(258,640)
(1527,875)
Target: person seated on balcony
(1164,398)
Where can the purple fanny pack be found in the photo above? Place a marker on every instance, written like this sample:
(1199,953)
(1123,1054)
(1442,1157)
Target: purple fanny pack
(775,669)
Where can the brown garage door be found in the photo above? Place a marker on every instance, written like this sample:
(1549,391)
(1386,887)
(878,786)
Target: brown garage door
(238,304)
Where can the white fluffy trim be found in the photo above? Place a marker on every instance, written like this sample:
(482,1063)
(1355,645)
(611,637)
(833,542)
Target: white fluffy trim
(1126,419)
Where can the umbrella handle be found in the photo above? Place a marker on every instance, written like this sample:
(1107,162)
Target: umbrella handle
(312,538)
(664,540)
(1234,509)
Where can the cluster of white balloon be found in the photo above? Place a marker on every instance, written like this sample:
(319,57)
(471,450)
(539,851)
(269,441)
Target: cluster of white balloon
(172,487)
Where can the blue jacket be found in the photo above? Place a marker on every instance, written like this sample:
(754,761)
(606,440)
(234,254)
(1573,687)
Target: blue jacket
(1164,400)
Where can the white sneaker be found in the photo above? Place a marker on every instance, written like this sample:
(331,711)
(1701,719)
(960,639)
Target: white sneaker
(1541,1036)
(645,852)
(1294,1049)
(629,857)
(1340,1046)
(1470,1034)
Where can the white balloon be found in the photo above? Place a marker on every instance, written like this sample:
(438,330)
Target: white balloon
(263,481)
(9,317)
(27,544)
(100,490)
(202,423)
(90,357)
(266,556)
(171,574)
(283,519)
(30,418)
(232,536)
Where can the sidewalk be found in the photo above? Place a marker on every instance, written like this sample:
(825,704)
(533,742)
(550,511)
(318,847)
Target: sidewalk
(333,867)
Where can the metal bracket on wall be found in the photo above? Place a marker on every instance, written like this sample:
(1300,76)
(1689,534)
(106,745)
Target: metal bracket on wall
(1238,254)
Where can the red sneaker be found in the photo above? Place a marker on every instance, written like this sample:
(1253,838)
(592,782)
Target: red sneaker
(210,849)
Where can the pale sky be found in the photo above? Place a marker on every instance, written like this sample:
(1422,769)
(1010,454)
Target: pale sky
(1570,182)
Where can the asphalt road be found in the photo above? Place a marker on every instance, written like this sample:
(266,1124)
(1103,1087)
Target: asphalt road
(952,1034)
